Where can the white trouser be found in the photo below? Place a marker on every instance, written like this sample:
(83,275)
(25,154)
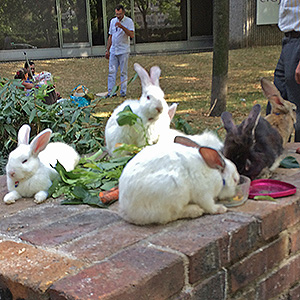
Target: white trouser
(114,62)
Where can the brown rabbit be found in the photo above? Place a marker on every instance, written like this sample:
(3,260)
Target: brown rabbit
(283,112)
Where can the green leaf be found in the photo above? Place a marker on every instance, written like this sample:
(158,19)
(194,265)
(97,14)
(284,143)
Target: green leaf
(109,185)
(266,198)
(94,201)
(132,79)
(79,192)
(128,148)
(75,115)
(114,90)
(289,162)
(127,117)
(32,115)
(54,186)
(71,202)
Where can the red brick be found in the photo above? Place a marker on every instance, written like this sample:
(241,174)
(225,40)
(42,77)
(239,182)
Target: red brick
(109,240)
(294,293)
(135,273)
(206,241)
(245,295)
(26,270)
(34,217)
(70,228)
(294,239)
(274,217)
(211,288)
(258,263)
(284,278)
(244,240)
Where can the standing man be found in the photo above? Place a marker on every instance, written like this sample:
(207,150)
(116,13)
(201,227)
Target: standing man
(121,29)
(287,72)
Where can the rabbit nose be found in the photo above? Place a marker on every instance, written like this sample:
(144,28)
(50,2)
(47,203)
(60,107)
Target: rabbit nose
(159,109)
(12,174)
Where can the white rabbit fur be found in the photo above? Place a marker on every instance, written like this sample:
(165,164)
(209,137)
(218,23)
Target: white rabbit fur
(207,138)
(162,184)
(28,169)
(152,108)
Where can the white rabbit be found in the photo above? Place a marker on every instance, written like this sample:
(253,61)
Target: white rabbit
(182,180)
(207,138)
(152,108)
(28,169)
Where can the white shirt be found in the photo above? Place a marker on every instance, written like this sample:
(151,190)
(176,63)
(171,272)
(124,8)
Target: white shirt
(289,15)
(120,40)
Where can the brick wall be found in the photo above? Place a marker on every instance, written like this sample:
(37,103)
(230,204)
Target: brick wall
(56,252)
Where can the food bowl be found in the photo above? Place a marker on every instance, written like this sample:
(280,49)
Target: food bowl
(242,192)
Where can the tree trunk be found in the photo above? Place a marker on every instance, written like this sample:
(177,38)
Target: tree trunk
(220,57)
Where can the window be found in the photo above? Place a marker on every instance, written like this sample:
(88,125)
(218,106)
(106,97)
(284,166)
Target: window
(24,25)
(163,21)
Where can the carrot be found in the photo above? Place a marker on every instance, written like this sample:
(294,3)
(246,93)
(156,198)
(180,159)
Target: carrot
(109,196)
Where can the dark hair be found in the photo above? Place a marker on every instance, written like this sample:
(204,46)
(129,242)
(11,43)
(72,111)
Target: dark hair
(20,74)
(120,6)
(26,64)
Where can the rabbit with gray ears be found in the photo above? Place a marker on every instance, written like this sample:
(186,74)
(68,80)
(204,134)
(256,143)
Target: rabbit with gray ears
(163,183)
(254,146)
(28,170)
(283,112)
(152,108)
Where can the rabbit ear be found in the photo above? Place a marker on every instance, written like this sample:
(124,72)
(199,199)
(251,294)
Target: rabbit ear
(185,142)
(172,110)
(154,75)
(276,100)
(40,142)
(143,74)
(23,135)
(228,123)
(252,120)
(212,158)
(269,89)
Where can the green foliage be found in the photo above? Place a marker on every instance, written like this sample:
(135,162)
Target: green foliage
(128,117)
(182,125)
(71,124)
(91,176)
(289,162)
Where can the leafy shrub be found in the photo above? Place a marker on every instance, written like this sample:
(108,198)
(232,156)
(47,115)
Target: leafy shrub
(71,124)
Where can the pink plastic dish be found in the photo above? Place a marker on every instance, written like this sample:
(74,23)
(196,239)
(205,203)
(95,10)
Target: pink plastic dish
(271,187)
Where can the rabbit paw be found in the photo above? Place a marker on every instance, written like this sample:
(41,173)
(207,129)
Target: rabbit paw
(220,209)
(216,209)
(192,211)
(40,197)
(11,197)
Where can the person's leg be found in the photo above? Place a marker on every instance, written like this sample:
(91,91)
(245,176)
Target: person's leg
(279,78)
(124,70)
(112,72)
(291,59)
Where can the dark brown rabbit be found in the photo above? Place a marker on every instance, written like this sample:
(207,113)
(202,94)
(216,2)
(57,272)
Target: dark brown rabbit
(254,146)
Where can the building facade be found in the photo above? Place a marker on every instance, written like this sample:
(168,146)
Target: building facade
(79,28)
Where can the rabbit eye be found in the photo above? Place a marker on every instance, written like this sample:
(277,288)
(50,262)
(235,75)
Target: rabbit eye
(148,97)
(24,161)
